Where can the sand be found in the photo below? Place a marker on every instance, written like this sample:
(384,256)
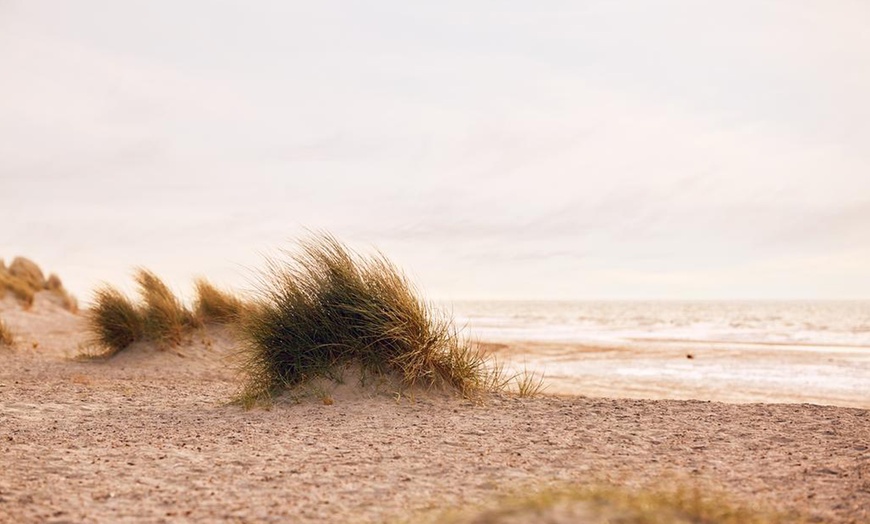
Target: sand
(149,436)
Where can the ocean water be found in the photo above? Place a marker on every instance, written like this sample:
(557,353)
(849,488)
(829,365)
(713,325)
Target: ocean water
(793,323)
(817,352)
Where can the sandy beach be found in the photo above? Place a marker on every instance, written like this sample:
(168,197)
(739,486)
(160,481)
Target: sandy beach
(149,435)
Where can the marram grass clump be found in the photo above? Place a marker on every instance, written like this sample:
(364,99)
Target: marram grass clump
(214,305)
(328,308)
(165,318)
(114,321)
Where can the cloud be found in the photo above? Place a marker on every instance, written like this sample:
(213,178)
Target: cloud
(497,153)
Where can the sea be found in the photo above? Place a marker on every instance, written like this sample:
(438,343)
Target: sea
(797,323)
(735,351)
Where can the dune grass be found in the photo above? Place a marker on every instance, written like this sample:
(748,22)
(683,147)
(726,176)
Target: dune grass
(165,318)
(322,311)
(23,278)
(19,288)
(528,384)
(27,272)
(114,321)
(68,301)
(607,503)
(214,305)
(326,308)
(7,338)
(160,316)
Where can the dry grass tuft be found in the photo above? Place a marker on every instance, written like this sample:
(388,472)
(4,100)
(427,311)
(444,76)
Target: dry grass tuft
(24,279)
(114,321)
(19,288)
(55,286)
(214,305)
(28,272)
(69,302)
(53,283)
(528,384)
(165,317)
(7,338)
(604,504)
(328,307)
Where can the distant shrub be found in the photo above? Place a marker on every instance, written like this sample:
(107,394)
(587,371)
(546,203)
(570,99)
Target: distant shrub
(19,288)
(6,336)
(55,286)
(24,279)
(165,317)
(53,283)
(114,321)
(28,272)
(70,302)
(328,307)
(215,305)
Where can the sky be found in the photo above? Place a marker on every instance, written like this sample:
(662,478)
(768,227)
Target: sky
(493,150)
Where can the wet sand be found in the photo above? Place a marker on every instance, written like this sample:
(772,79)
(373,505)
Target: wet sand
(149,436)
(683,370)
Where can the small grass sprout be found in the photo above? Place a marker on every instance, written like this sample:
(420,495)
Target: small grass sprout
(528,384)
(7,338)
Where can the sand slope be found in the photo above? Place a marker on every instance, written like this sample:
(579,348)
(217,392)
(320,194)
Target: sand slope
(148,436)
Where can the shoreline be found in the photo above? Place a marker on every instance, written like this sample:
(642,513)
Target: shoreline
(685,371)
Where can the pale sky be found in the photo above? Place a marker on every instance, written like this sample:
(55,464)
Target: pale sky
(493,149)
